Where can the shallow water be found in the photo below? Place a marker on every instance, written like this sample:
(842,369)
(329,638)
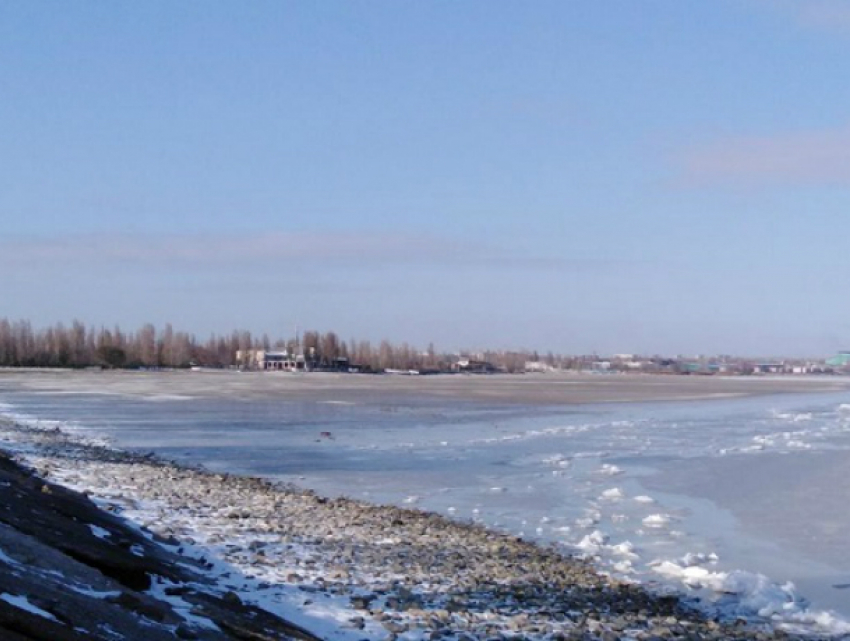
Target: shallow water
(713,493)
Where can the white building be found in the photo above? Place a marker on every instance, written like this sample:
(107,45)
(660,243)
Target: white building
(271,360)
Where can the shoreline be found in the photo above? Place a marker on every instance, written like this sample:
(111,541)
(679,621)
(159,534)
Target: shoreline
(562,389)
(345,569)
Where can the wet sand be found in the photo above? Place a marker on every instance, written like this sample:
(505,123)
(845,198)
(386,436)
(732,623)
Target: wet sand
(529,389)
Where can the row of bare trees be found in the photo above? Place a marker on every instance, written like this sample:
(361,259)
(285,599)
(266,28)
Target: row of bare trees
(77,345)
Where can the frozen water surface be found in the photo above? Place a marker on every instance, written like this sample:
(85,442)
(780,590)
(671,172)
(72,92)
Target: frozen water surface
(740,500)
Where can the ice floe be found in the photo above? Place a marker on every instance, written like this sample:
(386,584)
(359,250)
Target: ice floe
(592,543)
(613,494)
(657,520)
(609,469)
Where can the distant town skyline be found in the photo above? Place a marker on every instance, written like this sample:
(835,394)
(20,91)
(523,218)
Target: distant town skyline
(619,177)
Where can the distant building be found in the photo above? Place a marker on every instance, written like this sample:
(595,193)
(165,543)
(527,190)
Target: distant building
(267,360)
(807,368)
(538,366)
(841,361)
(285,361)
(469,366)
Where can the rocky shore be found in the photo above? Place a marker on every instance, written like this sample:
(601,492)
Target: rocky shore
(70,571)
(213,556)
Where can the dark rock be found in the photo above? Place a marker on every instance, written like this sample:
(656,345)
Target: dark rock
(362,602)
(63,519)
(146,607)
(184,632)
(81,587)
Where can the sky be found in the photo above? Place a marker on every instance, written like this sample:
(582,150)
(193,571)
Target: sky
(656,177)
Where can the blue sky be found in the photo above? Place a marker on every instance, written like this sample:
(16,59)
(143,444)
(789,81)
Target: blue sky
(620,176)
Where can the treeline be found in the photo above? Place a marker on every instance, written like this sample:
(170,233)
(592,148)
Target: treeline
(78,346)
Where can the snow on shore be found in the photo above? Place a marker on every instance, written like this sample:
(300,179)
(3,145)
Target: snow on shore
(346,570)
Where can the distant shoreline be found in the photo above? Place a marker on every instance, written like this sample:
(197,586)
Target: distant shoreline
(511,389)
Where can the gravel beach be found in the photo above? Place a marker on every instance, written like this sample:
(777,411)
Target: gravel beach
(343,569)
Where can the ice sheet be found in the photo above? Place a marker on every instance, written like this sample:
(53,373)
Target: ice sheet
(732,485)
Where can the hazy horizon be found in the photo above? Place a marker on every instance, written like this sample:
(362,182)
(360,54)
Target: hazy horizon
(583,177)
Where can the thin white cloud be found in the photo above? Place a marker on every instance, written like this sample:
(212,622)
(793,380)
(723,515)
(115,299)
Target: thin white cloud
(212,251)
(805,158)
(833,15)
(821,15)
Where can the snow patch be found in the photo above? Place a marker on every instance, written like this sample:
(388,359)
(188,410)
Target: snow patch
(181,607)
(24,604)
(95,594)
(7,559)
